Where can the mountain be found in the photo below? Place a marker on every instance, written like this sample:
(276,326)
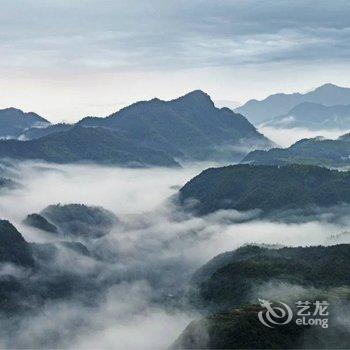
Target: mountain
(35,133)
(78,220)
(13,248)
(238,329)
(79,144)
(38,221)
(229,285)
(47,276)
(313,116)
(227,103)
(151,132)
(7,184)
(189,127)
(315,151)
(277,105)
(229,279)
(246,187)
(8,169)
(13,122)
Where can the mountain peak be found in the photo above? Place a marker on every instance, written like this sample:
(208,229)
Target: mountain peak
(329,86)
(14,247)
(345,137)
(278,105)
(197,92)
(12,110)
(196,96)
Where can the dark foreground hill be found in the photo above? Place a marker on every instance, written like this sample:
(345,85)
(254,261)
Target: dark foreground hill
(190,128)
(246,187)
(79,144)
(31,273)
(13,248)
(231,279)
(13,122)
(35,273)
(231,284)
(315,151)
(241,329)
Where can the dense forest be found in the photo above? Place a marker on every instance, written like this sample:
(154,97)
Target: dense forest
(316,151)
(228,288)
(246,187)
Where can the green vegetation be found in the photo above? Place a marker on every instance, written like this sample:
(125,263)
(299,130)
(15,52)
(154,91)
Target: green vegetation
(229,279)
(31,274)
(80,220)
(38,221)
(245,187)
(228,285)
(146,133)
(316,151)
(35,133)
(189,128)
(79,144)
(13,248)
(238,329)
(13,122)
(241,329)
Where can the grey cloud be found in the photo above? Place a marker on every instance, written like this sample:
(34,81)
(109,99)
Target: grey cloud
(163,34)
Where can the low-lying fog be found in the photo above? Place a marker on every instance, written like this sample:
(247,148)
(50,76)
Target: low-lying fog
(157,250)
(287,137)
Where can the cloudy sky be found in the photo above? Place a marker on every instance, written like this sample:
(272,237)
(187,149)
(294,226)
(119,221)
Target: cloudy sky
(71,58)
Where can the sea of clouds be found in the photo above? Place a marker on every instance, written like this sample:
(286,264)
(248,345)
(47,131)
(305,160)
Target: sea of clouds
(150,255)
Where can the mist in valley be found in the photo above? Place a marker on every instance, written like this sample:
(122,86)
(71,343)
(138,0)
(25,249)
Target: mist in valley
(285,137)
(136,275)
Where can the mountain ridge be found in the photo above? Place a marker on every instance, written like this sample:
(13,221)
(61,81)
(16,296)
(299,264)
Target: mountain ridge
(313,116)
(267,188)
(314,151)
(79,144)
(13,122)
(189,127)
(259,111)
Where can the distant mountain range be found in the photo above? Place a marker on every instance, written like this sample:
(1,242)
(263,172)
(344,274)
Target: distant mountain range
(13,122)
(275,106)
(268,188)
(151,132)
(313,116)
(315,151)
